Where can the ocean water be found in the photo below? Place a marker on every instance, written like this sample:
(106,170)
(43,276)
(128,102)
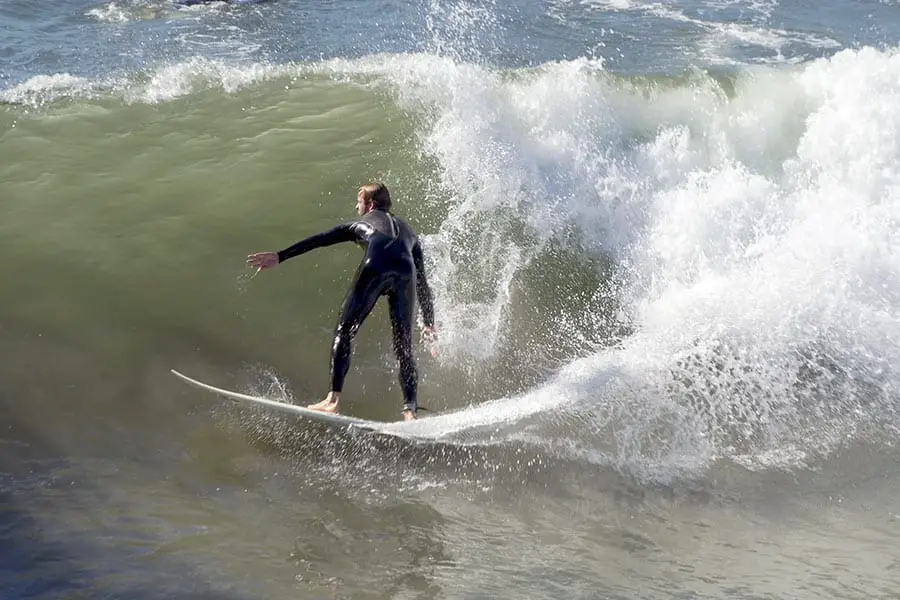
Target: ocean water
(664,242)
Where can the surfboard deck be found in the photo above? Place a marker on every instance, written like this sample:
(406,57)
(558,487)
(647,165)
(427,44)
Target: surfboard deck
(291,409)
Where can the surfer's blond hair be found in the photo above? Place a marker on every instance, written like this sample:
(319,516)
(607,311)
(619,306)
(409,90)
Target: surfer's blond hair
(377,194)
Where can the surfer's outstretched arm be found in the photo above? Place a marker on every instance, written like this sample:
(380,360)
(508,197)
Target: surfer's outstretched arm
(335,235)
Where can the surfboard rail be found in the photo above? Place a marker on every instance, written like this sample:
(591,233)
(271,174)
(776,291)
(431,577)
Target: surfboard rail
(285,407)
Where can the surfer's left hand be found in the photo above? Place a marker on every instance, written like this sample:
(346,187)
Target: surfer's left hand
(262,260)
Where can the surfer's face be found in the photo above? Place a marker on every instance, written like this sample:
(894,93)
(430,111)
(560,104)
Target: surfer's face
(362,206)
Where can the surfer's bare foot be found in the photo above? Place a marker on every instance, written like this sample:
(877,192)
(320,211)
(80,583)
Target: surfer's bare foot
(329,404)
(409,415)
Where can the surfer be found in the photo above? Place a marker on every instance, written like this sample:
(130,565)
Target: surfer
(392,266)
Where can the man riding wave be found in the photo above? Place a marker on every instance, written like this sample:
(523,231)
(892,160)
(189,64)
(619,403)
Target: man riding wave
(392,265)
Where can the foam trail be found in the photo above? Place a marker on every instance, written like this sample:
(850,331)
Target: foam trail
(718,36)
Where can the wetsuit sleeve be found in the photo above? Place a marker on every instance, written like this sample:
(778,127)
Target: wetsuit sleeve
(335,235)
(423,291)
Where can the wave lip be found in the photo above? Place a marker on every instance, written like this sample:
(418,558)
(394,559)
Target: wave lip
(162,84)
(45,89)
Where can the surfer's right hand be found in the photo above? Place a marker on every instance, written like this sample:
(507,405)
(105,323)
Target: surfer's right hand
(262,260)
(429,336)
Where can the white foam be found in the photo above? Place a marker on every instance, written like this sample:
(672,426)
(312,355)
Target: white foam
(163,84)
(759,235)
(110,13)
(41,89)
(125,11)
(186,77)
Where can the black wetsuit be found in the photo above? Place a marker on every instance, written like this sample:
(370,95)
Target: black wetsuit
(392,266)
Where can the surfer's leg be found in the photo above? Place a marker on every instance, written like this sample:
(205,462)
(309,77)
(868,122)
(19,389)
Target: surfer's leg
(402,302)
(360,300)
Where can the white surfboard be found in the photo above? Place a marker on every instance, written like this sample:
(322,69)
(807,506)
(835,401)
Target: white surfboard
(291,409)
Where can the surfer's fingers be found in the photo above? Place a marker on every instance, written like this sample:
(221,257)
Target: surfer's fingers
(256,261)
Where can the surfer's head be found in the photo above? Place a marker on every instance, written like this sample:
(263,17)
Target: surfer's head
(373,196)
